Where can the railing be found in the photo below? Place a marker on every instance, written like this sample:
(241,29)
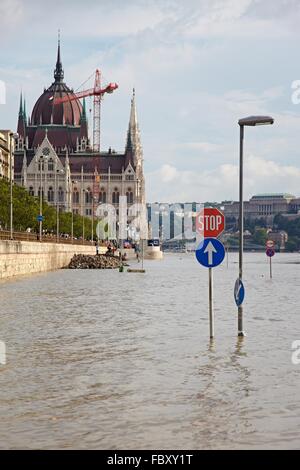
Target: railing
(33,237)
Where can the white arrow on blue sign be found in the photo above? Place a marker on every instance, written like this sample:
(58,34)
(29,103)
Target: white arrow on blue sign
(210,252)
(239,292)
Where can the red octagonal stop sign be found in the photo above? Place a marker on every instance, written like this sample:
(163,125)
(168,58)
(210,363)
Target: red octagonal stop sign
(210,222)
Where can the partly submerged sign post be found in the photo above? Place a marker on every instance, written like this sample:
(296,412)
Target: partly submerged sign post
(210,223)
(270,252)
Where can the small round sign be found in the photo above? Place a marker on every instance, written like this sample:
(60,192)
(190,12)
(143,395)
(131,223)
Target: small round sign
(270,252)
(270,244)
(239,292)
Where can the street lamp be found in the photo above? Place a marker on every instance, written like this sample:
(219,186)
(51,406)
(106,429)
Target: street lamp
(248,121)
(72,214)
(42,160)
(11,136)
(94,199)
(57,173)
(82,210)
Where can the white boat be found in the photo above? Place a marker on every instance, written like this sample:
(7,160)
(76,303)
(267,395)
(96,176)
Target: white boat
(153,250)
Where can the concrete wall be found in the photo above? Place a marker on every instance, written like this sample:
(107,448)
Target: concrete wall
(20,257)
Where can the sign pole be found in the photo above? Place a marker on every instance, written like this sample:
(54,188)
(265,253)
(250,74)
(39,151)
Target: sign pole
(210,223)
(210,300)
(270,267)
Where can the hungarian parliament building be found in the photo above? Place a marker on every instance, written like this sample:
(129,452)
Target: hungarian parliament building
(53,154)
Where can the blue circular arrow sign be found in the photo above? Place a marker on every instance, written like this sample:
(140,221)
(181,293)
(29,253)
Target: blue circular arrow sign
(239,292)
(210,252)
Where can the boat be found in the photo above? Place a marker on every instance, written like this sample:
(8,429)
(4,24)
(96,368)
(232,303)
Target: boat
(153,249)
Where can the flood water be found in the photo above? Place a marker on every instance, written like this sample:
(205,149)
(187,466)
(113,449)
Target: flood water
(102,359)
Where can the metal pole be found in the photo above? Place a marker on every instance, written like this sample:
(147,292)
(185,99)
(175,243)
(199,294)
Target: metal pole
(41,200)
(92,217)
(241,229)
(56,206)
(270,267)
(82,215)
(72,216)
(11,186)
(210,300)
(57,221)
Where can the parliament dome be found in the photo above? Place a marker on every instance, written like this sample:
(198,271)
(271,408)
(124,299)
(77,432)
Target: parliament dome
(45,112)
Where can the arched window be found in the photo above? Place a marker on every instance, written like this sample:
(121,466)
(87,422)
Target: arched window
(50,165)
(39,192)
(75,196)
(102,196)
(129,196)
(31,191)
(61,194)
(115,196)
(88,196)
(50,194)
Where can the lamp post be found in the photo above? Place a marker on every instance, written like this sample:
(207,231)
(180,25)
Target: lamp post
(11,136)
(72,214)
(41,160)
(93,208)
(57,173)
(11,185)
(82,210)
(248,121)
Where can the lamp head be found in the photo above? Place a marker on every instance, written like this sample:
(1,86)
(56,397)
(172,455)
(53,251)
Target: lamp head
(256,121)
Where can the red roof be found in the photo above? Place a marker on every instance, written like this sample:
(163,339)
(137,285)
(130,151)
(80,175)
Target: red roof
(45,112)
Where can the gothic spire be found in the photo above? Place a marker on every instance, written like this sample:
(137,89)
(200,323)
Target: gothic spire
(83,114)
(58,72)
(133,144)
(83,122)
(21,105)
(21,128)
(24,111)
(133,123)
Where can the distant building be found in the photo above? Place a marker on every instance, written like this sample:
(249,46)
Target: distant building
(172,222)
(279,237)
(6,153)
(261,206)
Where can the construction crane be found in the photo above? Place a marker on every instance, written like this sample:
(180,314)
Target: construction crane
(97,92)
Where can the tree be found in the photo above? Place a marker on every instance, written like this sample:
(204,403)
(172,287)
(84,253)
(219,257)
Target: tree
(260,236)
(26,208)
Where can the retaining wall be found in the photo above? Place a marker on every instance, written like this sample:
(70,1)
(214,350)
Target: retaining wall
(21,257)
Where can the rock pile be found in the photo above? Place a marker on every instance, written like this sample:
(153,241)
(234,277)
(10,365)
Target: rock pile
(93,262)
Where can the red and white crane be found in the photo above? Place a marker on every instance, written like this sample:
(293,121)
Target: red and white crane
(97,92)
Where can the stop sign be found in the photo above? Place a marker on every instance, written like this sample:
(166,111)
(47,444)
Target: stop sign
(210,222)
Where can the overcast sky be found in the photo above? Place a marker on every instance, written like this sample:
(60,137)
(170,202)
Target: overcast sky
(197,66)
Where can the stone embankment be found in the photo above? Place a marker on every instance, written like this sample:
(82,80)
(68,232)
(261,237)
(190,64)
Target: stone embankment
(25,257)
(94,262)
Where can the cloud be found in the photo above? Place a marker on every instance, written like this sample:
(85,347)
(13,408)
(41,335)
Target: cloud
(169,184)
(198,66)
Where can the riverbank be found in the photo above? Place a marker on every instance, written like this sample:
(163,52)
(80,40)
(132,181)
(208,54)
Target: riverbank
(20,257)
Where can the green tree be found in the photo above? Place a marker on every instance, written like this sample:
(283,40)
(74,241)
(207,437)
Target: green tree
(26,209)
(260,236)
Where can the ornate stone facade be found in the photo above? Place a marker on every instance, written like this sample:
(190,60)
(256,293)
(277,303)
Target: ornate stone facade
(53,155)
(6,153)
